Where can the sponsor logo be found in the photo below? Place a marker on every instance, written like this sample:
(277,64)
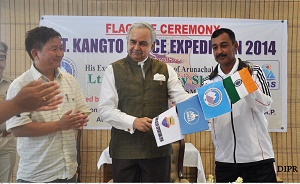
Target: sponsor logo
(273,82)
(267,68)
(271,69)
(67,65)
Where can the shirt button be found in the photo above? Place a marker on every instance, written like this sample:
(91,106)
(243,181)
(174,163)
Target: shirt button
(128,130)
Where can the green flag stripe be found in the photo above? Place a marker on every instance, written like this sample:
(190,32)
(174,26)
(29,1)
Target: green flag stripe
(231,91)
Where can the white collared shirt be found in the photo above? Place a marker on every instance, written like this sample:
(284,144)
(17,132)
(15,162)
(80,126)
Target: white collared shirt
(53,156)
(233,70)
(141,63)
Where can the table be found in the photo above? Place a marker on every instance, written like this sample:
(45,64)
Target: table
(191,159)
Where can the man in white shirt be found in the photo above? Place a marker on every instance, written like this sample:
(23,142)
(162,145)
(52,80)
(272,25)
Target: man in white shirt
(243,144)
(46,139)
(130,97)
(7,140)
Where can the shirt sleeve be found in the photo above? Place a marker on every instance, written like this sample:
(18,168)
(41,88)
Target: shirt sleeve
(21,119)
(175,90)
(108,104)
(259,100)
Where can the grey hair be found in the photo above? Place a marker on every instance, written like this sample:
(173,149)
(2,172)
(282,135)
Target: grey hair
(143,25)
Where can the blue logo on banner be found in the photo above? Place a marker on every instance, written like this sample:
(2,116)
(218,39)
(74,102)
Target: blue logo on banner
(67,65)
(268,72)
(271,69)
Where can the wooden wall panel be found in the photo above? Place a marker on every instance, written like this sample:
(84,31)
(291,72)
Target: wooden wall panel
(19,16)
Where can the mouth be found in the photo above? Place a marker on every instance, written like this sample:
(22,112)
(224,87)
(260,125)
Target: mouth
(136,53)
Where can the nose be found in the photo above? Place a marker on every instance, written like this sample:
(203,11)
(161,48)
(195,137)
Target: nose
(137,46)
(219,50)
(60,53)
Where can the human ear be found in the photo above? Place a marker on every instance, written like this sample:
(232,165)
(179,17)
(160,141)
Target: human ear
(236,45)
(34,53)
(153,46)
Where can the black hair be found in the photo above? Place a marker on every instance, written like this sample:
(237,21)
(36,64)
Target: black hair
(38,37)
(220,31)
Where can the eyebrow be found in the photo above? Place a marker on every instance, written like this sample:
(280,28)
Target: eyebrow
(220,43)
(55,46)
(143,41)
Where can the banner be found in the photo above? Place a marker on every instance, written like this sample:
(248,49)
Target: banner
(91,43)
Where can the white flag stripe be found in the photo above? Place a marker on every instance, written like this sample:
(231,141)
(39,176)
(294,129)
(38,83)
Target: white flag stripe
(242,91)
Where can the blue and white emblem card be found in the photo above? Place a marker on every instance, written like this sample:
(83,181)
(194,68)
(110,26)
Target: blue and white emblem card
(191,116)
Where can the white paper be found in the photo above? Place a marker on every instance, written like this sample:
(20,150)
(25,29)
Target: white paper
(166,127)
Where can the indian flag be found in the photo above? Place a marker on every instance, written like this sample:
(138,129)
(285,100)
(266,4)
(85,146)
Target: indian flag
(239,85)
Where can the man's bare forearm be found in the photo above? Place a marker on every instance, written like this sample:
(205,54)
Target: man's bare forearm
(8,109)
